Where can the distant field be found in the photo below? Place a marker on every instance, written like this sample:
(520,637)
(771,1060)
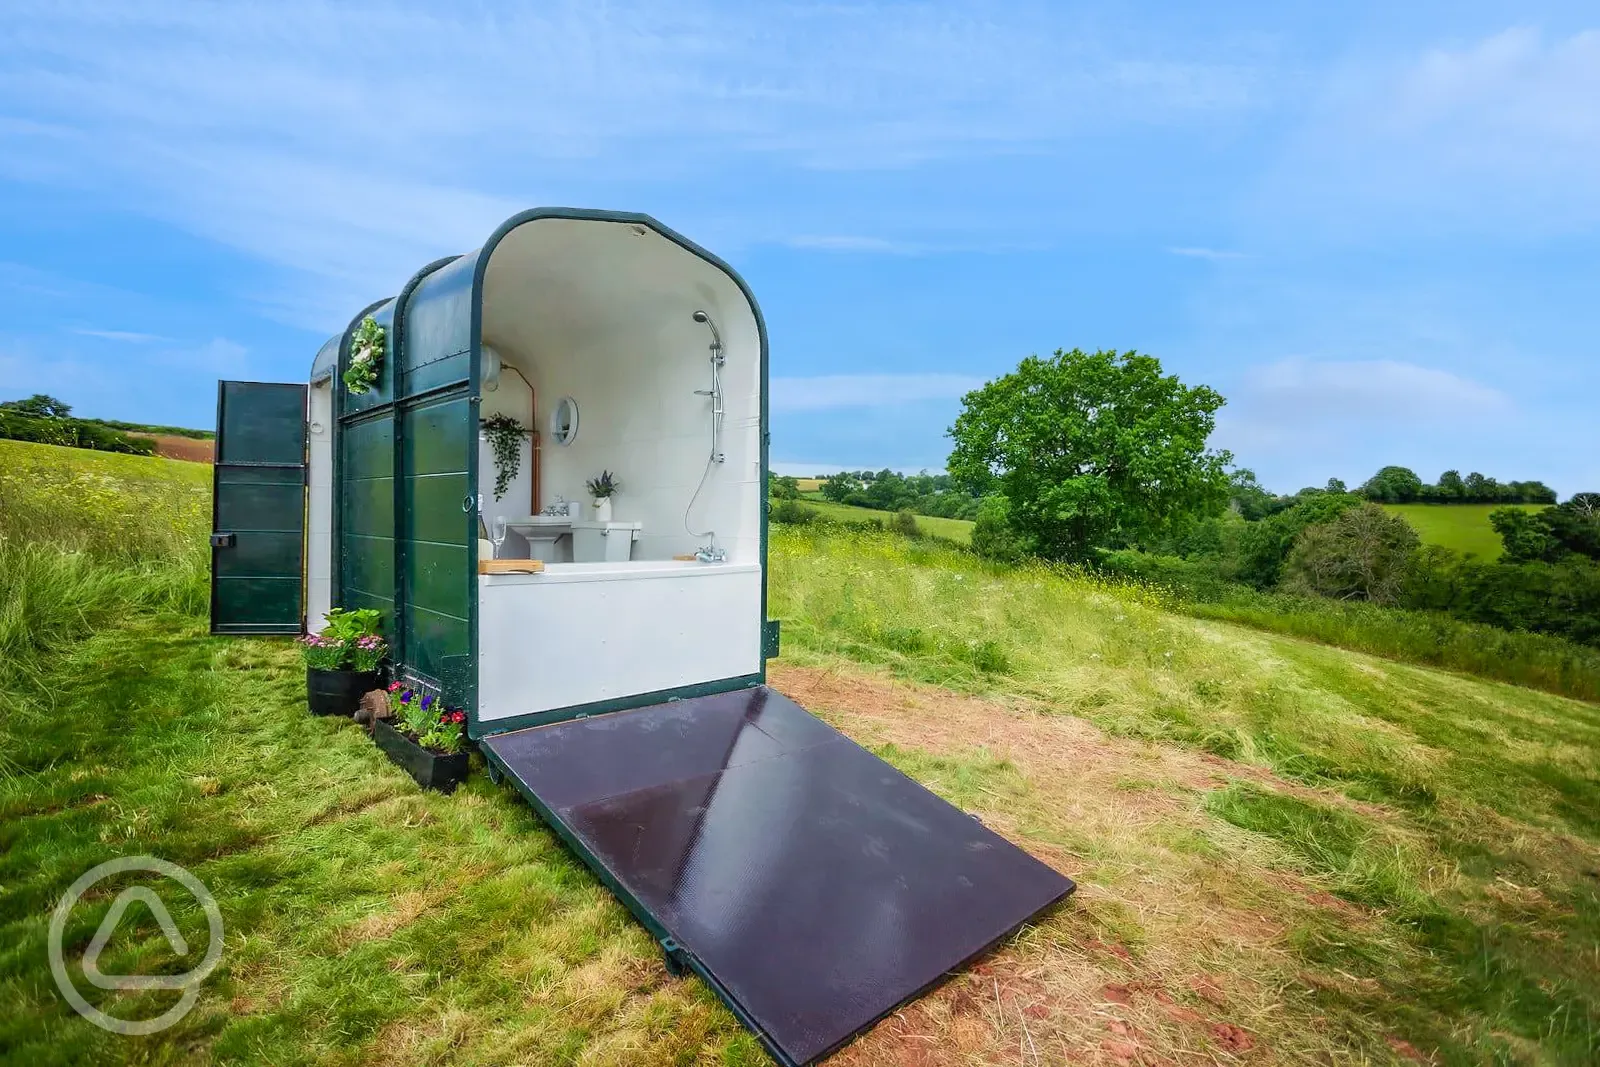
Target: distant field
(1463,527)
(952,529)
(810,485)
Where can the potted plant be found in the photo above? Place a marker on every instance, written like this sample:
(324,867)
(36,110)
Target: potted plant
(342,661)
(602,489)
(424,737)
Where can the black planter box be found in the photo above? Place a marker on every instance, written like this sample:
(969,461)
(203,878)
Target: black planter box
(337,692)
(431,771)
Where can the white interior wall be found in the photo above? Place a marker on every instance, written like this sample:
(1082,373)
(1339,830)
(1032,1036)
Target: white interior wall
(512,397)
(602,313)
(319,505)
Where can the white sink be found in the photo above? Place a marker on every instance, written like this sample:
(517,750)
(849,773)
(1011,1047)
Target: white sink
(540,525)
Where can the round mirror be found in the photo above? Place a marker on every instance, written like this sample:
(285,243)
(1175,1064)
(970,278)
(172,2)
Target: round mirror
(564,421)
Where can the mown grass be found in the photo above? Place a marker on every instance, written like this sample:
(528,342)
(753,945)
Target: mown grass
(1462,787)
(1462,527)
(1539,661)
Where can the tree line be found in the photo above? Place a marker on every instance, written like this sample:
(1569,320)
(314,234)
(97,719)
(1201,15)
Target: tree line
(935,495)
(1102,459)
(48,421)
(1400,485)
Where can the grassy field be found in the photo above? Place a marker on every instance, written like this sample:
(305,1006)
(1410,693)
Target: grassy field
(958,530)
(1462,527)
(1287,853)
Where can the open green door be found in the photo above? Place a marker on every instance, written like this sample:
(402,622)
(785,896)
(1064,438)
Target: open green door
(258,509)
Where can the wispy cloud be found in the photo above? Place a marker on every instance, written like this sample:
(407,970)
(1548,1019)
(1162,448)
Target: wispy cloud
(848,243)
(867,390)
(1500,135)
(249,125)
(1379,388)
(1215,255)
(127,336)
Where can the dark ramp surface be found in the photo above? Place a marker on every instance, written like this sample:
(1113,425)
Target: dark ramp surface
(814,886)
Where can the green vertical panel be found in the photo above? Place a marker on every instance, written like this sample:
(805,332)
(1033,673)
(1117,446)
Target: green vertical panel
(366,513)
(438,329)
(258,509)
(437,435)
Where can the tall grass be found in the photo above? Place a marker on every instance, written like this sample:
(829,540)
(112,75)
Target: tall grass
(87,536)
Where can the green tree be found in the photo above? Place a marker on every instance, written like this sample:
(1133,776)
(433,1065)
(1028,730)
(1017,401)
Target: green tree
(1265,545)
(1450,486)
(783,487)
(40,406)
(993,536)
(1247,497)
(1393,485)
(1363,554)
(1090,449)
(838,486)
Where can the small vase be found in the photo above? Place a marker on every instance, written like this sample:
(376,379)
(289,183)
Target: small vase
(602,509)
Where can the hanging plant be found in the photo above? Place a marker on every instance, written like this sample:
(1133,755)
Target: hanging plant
(366,357)
(505,436)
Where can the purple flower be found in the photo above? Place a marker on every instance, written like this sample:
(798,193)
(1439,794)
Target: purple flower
(405,698)
(427,702)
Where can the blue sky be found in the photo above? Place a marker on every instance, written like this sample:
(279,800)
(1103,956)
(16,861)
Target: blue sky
(1376,231)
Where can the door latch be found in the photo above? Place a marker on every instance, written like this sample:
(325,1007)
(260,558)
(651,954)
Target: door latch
(223,540)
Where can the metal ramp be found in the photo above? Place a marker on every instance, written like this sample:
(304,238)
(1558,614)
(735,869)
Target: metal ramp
(814,887)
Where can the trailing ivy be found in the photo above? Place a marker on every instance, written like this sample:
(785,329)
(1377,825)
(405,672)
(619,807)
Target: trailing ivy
(505,436)
(366,359)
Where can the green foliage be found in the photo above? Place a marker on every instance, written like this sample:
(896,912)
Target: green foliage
(604,486)
(156,428)
(1264,546)
(1364,553)
(1091,450)
(366,357)
(783,487)
(793,513)
(350,641)
(932,495)
(352,624)
(1248,497)
(1393,485)
(17,425)
(505,435)
(1552,534)
(425,719)
(905,524)
(40,406)
(994,536)
(1400,485)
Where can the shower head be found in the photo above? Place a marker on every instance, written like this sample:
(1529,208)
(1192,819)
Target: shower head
(716,336)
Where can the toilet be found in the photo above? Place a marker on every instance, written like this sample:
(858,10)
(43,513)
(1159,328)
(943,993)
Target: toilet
(603,542)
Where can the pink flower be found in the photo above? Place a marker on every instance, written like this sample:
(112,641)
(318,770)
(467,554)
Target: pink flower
(394,687)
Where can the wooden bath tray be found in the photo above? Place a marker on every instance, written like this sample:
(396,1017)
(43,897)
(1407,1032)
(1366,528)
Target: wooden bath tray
(510,566)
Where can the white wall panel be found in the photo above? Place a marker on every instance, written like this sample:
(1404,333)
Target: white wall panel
(581,633)
(319,505)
